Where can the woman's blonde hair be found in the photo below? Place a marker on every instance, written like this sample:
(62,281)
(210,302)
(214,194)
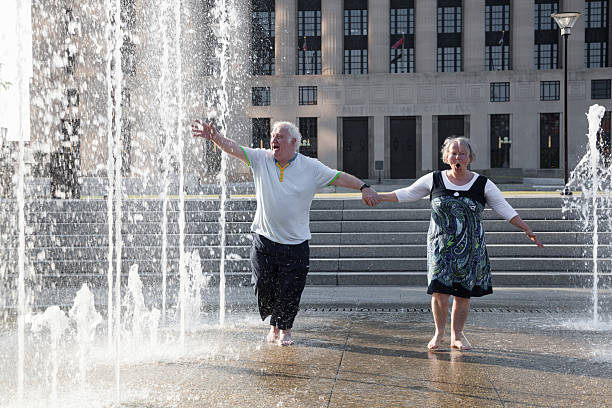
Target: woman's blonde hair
(463,141)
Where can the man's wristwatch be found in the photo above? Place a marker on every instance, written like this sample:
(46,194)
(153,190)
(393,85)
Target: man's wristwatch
(365,185)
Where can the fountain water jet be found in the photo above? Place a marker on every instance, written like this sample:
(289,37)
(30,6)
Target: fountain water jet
(594,179)
(87,319)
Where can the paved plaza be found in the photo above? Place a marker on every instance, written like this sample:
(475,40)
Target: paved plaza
(365,347)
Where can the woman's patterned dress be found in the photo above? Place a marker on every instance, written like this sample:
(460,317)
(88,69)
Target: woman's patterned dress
(457,259)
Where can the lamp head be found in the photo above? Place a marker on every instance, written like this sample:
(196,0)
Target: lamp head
(566,21)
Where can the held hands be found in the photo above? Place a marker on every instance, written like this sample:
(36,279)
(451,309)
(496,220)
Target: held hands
(200,129)
(370,197)
(533,237)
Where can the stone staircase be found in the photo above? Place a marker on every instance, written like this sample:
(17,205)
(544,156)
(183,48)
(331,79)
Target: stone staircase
(67,242)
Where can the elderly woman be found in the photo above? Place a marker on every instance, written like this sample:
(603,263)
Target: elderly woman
(457,259)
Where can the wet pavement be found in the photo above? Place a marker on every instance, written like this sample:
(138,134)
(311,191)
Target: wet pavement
(359,359)
(358,347)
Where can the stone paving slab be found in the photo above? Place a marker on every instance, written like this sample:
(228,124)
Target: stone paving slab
(380,360)
(355,347)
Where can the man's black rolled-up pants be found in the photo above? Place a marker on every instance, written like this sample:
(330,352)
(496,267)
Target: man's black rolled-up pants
(279,274)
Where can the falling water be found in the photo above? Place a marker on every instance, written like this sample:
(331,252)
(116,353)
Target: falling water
(180,136)
(222,14)
(594,179)
(110,166)
(24,40)
(56,321)
(116,43)
(87,319)
(164,102)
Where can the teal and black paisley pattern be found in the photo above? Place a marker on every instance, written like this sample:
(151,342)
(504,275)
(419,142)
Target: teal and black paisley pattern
(457,258)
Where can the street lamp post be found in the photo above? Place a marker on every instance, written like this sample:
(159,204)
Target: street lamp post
(565,21)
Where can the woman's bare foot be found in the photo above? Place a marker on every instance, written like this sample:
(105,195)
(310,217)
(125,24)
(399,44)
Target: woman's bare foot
(461,343)
(272,335)
(435,342)
(284,338)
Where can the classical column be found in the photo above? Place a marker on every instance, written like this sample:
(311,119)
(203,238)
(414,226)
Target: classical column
(378,36)
(575,42)
(425,36)
(523,35)
(474,36)
(285,28)
(332,37)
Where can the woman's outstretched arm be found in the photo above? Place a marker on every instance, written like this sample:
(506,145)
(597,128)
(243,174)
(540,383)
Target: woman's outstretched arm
(518,222)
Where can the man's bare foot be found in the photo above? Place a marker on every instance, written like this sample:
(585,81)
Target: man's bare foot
(435,342)
(272,335)
(284,338)
(461,343)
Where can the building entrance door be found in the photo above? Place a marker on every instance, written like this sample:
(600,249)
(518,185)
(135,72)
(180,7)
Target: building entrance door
(355,146)
(402,145)
(451,125)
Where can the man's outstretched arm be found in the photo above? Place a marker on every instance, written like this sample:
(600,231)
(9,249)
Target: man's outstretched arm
(208,131)
(368,195)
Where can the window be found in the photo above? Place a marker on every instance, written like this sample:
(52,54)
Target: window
(308,95)
(549,90)
(355,36)
(401,55)
(449,19)
(545,56)
(261,132)
(500,91)
(600,89)
(596,14)
(596,33)
(128,60)
(70,59)
(262,37)
(70,130)
(497,35)
(542,14)
(309,37)
(356,22)
(71,25)
(308,130)
(449,41)
(546,35)
(500,141)
(604,141)
(596,54)
(260,95)
(449,59)
(356,61)
(497,16)
(549,140)
(72,97)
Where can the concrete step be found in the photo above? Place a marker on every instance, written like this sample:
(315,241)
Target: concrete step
(341,265)
(520,252)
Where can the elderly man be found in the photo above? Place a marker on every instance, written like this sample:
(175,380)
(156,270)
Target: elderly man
(285,185)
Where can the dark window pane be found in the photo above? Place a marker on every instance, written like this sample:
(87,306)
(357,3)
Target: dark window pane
(500,141)
(308,130)
(549,90)
(261,132)
(308,95)
(600,89)
(260,96)
(549,140)
(500,91)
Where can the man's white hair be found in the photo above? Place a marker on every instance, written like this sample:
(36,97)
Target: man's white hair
(294,132)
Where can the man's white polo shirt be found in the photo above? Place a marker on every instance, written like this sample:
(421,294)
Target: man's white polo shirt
(284,196)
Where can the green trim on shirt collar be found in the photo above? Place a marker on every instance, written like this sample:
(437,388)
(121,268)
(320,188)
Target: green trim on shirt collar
(334,179)
(289,162)
(247,157)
